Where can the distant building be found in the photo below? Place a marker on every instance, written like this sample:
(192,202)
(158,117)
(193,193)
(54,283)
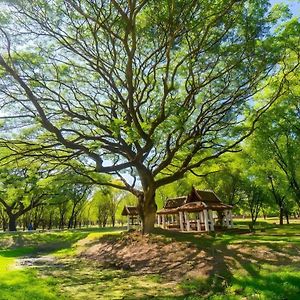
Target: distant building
(132,214)
(199,211)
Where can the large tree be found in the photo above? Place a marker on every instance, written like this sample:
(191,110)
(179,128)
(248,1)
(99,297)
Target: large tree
(142,90)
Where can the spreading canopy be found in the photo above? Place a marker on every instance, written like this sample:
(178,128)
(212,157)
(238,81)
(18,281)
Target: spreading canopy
(149,88)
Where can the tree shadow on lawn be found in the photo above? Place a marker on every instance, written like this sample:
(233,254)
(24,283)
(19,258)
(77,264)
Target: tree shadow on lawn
(199,267)
(173,265)
(81,279)
(147,255)
(243,267)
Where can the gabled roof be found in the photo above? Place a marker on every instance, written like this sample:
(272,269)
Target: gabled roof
(205,196)
(218,206)
(172,204)
(130,210)
(168,211)
(175,202)
(192,207)
(197,200)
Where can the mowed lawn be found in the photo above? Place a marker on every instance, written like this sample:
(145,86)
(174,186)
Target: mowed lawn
(264,264)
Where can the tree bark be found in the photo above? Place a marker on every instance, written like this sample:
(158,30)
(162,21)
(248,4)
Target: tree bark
(12,223)
(148,209)
(149,220)
(146,200)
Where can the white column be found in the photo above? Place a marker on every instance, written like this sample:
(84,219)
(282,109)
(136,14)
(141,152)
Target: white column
(158,220)
(201,219)
(163,221)
(206,220)
(226,218)
(198,224)
(187,221)
(128,222)
(181,220)
(172,219)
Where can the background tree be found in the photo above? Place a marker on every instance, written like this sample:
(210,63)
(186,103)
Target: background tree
(22,190)
(151,89)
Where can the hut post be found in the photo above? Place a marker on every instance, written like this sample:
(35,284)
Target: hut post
(181,220)
(198,224)
(223,219)
(206,219)
(211,219)
(226,218)
(201,219)
(158,220)
(187,221)
(163,221)
(172,219)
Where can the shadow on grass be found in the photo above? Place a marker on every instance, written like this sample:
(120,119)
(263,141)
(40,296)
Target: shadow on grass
(250,265)
(260,265)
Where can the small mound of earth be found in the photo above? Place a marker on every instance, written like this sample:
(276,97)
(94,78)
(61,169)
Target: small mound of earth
(150,255)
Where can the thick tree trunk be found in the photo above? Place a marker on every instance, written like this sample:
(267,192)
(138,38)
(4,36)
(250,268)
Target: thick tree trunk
(148,211)
(146,205)
(12,223)
(149,220)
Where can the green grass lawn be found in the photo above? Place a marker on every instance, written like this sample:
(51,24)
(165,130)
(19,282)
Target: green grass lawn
(264,264)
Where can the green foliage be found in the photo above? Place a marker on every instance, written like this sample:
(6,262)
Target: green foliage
(158,88)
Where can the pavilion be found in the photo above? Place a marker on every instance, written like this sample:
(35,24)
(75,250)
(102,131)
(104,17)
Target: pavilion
(199,211)
(133,218)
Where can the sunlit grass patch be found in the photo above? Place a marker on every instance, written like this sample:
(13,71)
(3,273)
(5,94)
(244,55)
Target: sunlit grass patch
(268,282)
(7,257)
(5,264)
(25,285)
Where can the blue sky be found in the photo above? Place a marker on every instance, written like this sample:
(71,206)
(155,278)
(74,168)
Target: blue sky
(294,5)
